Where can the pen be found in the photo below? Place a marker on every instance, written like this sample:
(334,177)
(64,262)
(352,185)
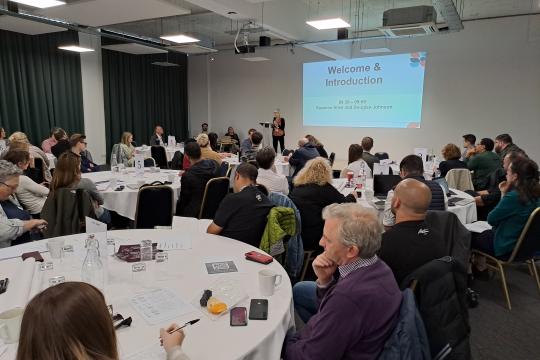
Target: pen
(183,326)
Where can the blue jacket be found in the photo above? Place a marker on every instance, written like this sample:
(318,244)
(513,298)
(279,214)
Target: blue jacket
(295,249)
(301,156)
(408,341)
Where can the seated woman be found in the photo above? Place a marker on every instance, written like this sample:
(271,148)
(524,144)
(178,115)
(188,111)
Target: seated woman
(31,195)
(71,321)
(520,196)
(35,152)
(318,145)
(12,227)
(68,175)
(125,151)
(234,136)
(356,164)
(312,192)
(213,138)
(451,155)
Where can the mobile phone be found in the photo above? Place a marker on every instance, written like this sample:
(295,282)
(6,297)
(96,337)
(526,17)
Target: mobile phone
(258,257)
(238,316)
(258,309)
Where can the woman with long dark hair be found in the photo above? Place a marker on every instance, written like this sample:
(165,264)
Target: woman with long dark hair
(520,196)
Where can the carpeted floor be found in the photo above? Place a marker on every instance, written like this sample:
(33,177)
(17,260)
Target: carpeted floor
(499,333)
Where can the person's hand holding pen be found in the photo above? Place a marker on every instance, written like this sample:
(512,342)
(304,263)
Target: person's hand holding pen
(171,338)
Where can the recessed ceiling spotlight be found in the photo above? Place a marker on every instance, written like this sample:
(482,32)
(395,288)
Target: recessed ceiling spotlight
(180,38)
(325,24)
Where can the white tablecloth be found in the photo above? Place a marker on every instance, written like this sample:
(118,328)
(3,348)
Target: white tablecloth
(125,202)
(147,152)
(465,213)
(208,339)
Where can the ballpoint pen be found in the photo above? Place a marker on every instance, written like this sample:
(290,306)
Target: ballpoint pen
(183,326)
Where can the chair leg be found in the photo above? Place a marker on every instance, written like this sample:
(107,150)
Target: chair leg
(532,265)
(505,286)
(306,264)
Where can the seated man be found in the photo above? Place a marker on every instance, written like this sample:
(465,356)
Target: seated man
(356,294)
(242,215)
(194,181)
(256,140)
(78,147)
(482,161)
(267,172)
(157,136)
(504,145)
(367,145)
(412,167)
(305,152)
(411,234)
(246,143)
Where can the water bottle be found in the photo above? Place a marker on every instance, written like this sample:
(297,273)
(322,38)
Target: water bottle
(92,269)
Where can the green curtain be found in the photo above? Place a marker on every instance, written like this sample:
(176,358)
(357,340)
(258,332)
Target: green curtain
(139,95)
(40,85)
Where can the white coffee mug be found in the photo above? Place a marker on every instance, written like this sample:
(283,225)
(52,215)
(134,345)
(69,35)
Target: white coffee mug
(268,282)
(56,248)
(10,325)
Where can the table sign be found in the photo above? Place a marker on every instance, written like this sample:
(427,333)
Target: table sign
(46,266)
(57,280)
(171,141)
(139,165)
(381,169)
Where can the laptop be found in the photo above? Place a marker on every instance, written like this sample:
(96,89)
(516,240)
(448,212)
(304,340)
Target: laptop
(442,182)
(384,183)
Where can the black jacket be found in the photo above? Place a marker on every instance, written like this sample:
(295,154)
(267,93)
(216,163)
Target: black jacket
(321,151)
(61,147)
(437,193)
(301,156)
(448,165)
(192,187)
(311,199)
(441,300)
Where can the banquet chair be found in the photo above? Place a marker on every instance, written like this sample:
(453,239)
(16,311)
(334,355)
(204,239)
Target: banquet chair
(154,206)
(459,179)
(332,158)
(224,169)
(177,160)
(37,172)
(149,162)
(216,189)
(160,156)
(226,143)
(525,250)
(309,256)
(381,155)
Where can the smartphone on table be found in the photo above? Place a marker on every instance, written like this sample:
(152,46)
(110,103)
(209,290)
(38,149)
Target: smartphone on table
(258,309)
(238,316)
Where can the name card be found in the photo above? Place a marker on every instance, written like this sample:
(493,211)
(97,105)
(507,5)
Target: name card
(162,257)
(138,267)
(46,266)
(68,248)
(171,141)
(56,280)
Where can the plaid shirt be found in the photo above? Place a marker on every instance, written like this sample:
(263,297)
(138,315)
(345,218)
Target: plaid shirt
(345,270)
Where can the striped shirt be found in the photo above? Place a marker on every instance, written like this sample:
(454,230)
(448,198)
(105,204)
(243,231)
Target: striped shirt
(345,270)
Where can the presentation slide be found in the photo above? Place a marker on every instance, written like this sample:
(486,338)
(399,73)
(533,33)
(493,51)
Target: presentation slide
(381,91)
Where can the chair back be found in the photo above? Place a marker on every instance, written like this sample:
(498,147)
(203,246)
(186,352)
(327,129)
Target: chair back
(160,156)
(37,172)
(65,212)
(459,179)
(528,243)
(381,155)
(224,168)
(149,162)
(177,160)
(332,158)
(154,206)
(216,189)
(262,189)
(115,154)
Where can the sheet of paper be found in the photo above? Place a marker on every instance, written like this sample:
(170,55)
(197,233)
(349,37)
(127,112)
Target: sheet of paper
(154,352)
(160,305)
(422,152)
(20,286)
(381,169)
(174,240)
(478,226)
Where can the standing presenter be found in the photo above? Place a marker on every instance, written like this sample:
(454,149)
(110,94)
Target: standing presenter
(278,131)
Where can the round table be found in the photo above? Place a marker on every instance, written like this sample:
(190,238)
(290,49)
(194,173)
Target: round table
(124,202)
(169,151)
(187,278)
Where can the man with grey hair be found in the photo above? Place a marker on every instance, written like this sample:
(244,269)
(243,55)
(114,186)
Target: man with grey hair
(305,152)
(358,299)
(11,229)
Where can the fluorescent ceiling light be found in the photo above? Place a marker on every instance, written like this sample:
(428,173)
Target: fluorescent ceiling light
(336,23)
(75,48)
(376,50)
(255,58)
(40,3)
(180,39)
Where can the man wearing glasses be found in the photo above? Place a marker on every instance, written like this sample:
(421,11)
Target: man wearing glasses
(11,229)
(78,146)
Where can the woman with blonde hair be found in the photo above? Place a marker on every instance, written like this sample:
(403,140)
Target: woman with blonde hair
(35,152)
(312,192)
(124,152)
(71,321)
(206,150)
